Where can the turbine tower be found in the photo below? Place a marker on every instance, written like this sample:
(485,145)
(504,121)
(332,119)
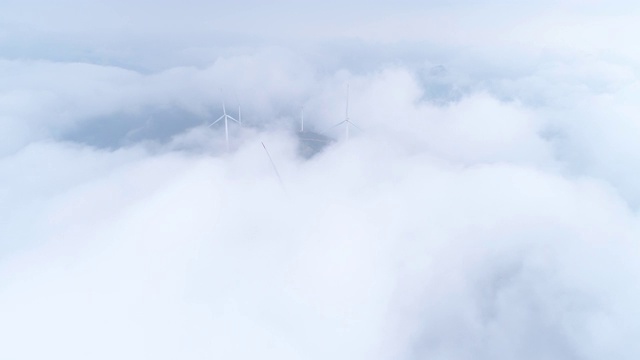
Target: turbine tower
(239,110)
(226,117)
(347,122)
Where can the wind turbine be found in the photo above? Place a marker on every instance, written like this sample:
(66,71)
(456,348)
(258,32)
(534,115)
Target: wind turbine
(226,117)
(239,111)
(347,122)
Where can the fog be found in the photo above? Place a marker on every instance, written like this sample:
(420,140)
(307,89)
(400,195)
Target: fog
(484,205)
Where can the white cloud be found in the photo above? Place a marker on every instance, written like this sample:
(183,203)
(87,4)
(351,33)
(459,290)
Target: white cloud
(177,255)
(486,210)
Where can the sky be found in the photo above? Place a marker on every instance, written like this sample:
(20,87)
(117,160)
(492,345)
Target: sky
(485,206)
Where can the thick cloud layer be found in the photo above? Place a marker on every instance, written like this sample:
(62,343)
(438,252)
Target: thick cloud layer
(485,206)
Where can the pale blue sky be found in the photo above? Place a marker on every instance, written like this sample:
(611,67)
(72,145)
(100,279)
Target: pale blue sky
(148,34)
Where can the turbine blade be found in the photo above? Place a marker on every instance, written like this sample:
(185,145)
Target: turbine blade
(275,169)
(213,123)
(346,112)
(355,126)
(338,124)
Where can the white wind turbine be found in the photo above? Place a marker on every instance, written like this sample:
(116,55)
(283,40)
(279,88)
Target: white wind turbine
(347,122)
(239,111)
(302,119)
(226,117)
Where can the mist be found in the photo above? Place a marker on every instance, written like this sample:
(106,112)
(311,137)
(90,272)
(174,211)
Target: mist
(483,206)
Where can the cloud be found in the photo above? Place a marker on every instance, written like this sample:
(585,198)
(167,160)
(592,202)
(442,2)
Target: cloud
(50,99)
(484,208)
(179,255)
